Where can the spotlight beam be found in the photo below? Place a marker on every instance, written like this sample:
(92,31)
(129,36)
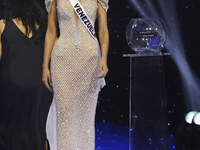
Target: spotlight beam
(152,9)
(191,83)
(138,6)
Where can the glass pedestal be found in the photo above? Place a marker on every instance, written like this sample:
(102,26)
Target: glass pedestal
(148,127)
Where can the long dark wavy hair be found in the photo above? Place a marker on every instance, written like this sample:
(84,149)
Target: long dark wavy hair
(30,12)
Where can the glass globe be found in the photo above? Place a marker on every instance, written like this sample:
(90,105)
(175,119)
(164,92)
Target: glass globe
(146,35)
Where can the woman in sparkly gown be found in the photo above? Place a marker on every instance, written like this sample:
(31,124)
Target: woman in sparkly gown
(78,68)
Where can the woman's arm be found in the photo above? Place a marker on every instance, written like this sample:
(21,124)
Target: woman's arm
(50,39)
(0,39)
(2,26)
(104,40)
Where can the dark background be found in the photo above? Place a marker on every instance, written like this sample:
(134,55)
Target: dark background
(113,100)
(116,93)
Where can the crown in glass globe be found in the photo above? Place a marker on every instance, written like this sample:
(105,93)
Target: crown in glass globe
(146,35)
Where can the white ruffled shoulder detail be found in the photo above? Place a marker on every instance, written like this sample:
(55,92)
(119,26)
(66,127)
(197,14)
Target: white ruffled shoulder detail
(104,4)
(48,4)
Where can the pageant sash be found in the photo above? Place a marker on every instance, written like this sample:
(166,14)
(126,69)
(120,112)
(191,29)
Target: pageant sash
(85,19)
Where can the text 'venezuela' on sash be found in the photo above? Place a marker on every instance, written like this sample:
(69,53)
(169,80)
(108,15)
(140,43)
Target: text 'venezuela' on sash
(85,19)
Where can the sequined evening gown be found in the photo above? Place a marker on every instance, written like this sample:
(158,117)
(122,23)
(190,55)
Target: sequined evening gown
(74,69)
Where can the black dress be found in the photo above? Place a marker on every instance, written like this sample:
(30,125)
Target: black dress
(24,101)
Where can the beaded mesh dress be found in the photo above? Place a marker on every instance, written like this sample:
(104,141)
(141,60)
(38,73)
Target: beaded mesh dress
(74,69)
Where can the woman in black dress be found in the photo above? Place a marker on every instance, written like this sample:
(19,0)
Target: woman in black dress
(24,101)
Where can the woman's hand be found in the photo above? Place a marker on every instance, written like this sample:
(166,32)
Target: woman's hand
(46,78)
(104,40)
(103,69)
(50,39)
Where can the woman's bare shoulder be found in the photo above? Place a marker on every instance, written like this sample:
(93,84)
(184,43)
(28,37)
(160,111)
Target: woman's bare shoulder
(2,25)
(2,22)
